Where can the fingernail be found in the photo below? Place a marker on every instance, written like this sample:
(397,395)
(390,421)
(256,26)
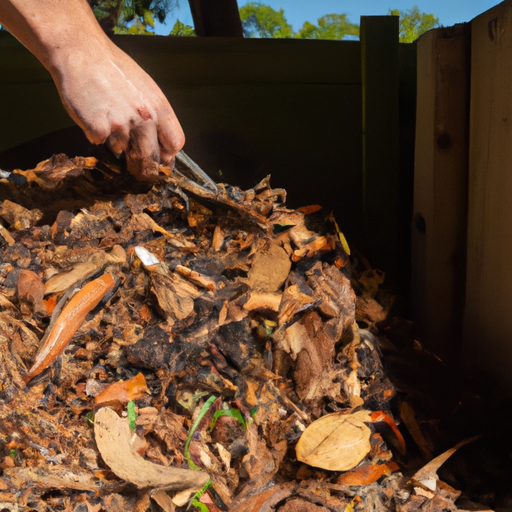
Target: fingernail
(117,155)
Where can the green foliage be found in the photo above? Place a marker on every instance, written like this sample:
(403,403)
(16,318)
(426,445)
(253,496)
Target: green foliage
(259,20)
(182,29)
(197,496)
(330,26)
(413,23)
(200,416)
(132,414)
(131,16)
(232,413)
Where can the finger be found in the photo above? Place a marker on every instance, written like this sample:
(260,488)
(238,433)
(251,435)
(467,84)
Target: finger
(143,152)
(96,132)
(170,135)
(119,139)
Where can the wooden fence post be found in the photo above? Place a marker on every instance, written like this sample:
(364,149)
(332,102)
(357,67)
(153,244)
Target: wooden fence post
(216,19)
(440,187)
(488,325)
(380,61)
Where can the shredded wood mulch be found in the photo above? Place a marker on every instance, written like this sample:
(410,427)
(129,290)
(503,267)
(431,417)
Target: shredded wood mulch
(172,348)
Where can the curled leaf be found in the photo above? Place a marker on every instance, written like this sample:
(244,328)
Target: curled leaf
(69,321)
(427,475)
(117,447)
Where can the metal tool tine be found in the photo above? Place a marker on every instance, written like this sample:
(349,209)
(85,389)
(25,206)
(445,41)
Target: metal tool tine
(194,172)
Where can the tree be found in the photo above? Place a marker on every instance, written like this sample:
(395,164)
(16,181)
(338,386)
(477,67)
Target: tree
(259,20)
(413,23)
(131,16)
(182,29)
(330,26)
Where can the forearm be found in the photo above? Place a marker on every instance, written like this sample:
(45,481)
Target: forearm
(106,93)
(54,30)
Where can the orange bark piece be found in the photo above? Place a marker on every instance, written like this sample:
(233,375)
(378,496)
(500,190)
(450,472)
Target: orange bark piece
(69,321)
(145,313)
(307,210)
(50,303)
(365,475)
(30,291)
(381,416)
(124,390)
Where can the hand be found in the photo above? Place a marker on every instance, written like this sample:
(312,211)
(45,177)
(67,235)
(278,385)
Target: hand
(113,100)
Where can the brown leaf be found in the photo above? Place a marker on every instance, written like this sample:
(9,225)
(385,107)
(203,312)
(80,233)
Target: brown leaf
(270,268)
(336,441)
(115,442)
(64,280)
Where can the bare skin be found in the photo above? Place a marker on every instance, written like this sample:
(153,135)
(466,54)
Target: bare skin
(104,91)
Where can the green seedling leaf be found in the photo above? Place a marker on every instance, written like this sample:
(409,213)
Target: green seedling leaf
(132,415)
(197,496)
(201,506)
(233,413)
(200,416)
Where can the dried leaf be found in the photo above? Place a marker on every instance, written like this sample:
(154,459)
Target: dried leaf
(53,477)
(115,442)
(270,268)
(67,323)
(124,391)
(64,280)
(336,441)
(427,475)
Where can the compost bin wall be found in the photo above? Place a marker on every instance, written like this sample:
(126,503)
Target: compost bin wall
(290,108)
(463,187)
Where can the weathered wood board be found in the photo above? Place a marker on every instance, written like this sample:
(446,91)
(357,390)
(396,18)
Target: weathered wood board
(488,329)
(440,186)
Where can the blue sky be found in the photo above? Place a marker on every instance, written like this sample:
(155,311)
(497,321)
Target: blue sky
(297,12)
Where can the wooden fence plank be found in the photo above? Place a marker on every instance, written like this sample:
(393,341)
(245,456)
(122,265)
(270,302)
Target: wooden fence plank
(380,62)
(488,326)
(440,187)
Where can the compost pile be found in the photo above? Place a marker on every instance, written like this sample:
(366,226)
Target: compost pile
(162,350)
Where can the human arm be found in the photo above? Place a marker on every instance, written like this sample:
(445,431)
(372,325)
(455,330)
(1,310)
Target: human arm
(104,91)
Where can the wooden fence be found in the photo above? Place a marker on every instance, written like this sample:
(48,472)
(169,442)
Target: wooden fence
(332,121)
(462,238)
